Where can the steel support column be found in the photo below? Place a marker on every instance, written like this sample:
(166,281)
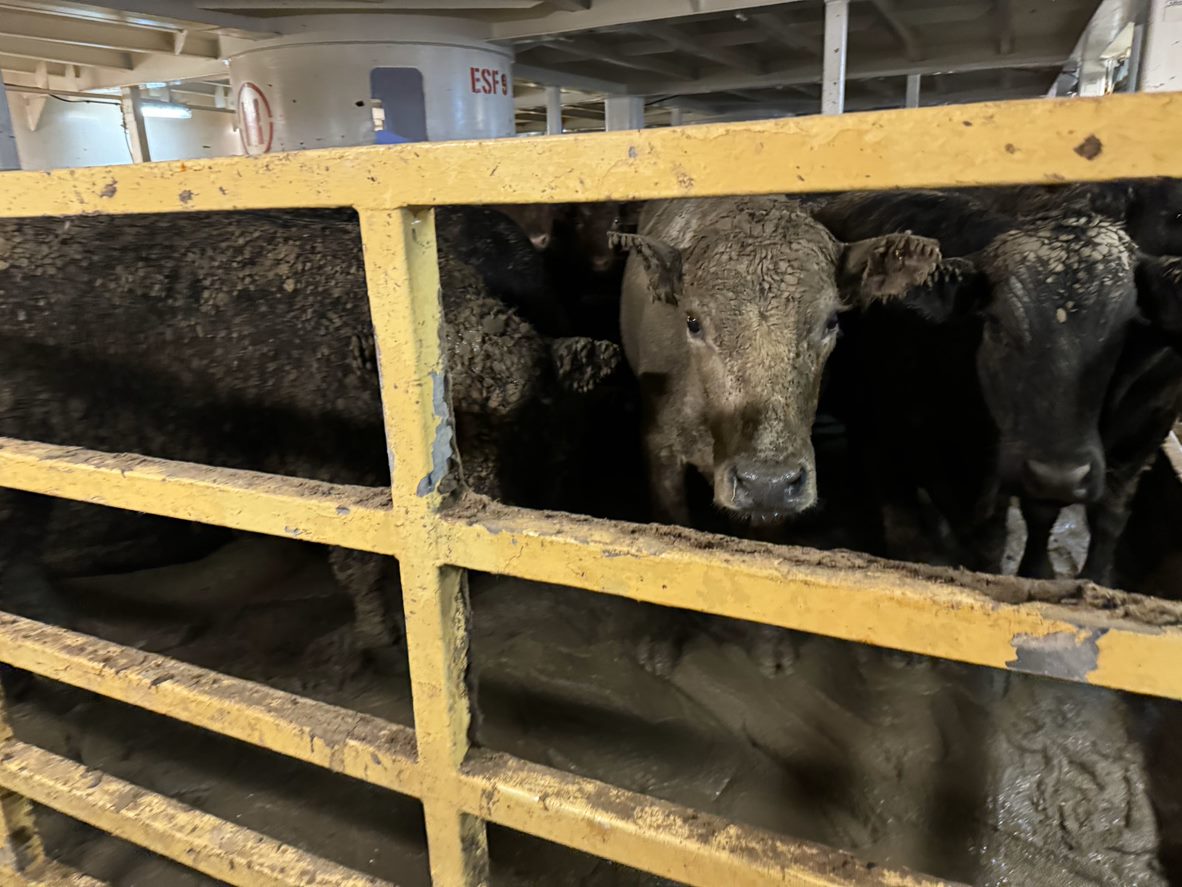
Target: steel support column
(133,123)
(837,14)
(9,159)
(623,112)
(553,110)
(913,90)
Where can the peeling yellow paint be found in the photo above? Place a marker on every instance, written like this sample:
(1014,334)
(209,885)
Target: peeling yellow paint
(986,621)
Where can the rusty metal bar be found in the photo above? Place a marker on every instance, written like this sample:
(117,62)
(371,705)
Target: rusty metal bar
(1016,142)
(952,615)
(982,620)
(402,275)
(48,874)
(243,500)
(527,797)
(20,844)
(656,836)
(337,739)
(213,846)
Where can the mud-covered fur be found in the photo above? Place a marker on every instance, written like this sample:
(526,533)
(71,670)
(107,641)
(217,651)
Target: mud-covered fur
(1003,386)
(245,341)
(729,312)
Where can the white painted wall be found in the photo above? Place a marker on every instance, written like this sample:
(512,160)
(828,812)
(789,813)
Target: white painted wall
(91,134)
(1161,66)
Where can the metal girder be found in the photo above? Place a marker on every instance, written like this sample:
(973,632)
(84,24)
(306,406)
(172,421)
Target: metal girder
(889,11)
(592,48)
(614,13)
(64,53)
(550,76)
(783,32)
(102,35)
(671,36)
(949,59)
(833,61)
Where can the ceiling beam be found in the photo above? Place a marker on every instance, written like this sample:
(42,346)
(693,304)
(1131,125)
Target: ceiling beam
(613,14)
(1003,24)
(784,33)
(591,48)
(103,35)
(368,5)
(156,68)
(951,58)
(902,31)
(167,15)
(677,39)
(65,53)
(566,79)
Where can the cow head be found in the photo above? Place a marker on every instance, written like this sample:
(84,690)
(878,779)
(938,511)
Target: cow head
(1054,298)
(758,294)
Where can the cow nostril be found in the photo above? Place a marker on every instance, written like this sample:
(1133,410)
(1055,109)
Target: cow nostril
(540,241)
(794,481)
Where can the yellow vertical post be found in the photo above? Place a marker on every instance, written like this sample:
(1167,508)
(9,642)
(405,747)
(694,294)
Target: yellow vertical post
(20,848)
(402,275)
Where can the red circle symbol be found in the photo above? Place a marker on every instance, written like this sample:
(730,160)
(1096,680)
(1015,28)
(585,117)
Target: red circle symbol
(255,124)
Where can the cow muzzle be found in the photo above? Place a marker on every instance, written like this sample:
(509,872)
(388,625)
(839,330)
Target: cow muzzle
(765,491)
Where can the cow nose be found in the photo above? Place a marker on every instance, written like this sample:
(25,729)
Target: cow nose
(602,263)
(764,486)
(1067,482)
(540,241)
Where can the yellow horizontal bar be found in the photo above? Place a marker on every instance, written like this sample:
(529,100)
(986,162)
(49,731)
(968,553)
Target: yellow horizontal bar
(952,616)
(354,744)
(358,517)
(198,840)
(959,616)
(48,874)
(1042,140)
(655,836)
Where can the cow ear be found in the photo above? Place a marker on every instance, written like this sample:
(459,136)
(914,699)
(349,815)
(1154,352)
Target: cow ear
(662,263)
(886,267)
(1159,292)
(958,288)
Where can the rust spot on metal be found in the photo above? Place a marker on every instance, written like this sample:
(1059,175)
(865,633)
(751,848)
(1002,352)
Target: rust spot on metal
(1089,148)
(1010,148)
(185,196)
(109,189)
(1067,655)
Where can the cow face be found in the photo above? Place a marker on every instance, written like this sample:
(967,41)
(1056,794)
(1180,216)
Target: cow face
(759,300)
(1054,299)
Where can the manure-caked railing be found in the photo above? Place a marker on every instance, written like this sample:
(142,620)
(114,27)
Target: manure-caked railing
(437,538)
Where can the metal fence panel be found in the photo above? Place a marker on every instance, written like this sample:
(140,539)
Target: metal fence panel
(972,620)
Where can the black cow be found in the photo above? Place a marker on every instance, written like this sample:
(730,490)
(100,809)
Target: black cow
(1025,366)
(245,341)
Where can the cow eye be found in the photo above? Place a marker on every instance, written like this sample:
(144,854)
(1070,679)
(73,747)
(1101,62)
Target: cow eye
(832,324)
(693,325)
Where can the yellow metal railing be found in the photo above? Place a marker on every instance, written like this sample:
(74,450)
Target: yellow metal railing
(982,620)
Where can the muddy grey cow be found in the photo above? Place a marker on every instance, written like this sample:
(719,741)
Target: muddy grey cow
(729,311)
(1010,374)
(250,346)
